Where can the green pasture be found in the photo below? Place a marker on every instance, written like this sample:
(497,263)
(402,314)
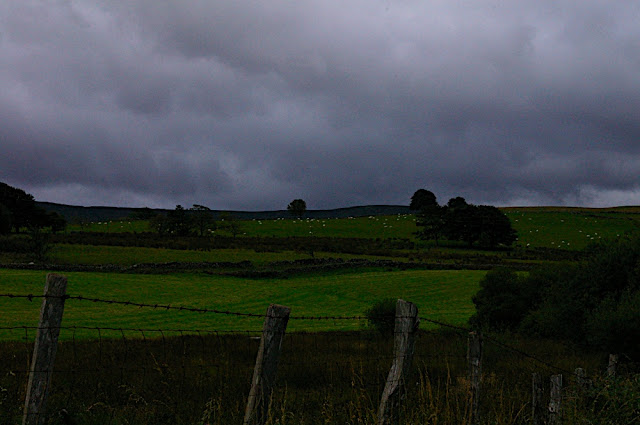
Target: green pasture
(394,226)
(128,256)
(400,226)
(110,226)
(550,227)
(569,228)
(439,295)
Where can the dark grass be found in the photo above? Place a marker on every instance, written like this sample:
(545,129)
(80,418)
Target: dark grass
(329,377)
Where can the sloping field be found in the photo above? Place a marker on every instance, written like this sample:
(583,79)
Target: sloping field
(570,228)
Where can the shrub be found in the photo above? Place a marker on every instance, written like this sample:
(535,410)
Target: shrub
(595,300)
(502,301)
(615,325)
(613,401)
(382,315)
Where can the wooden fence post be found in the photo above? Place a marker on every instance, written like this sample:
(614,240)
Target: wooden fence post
(555,401)
(264,373)
(537,410)
(583,382)
(474,357)
(44,351)
(613,364)
(406,327)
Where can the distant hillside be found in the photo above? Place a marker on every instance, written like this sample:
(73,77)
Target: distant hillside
(74,213)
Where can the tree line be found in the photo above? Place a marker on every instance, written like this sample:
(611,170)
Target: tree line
(483,225)
(197,220)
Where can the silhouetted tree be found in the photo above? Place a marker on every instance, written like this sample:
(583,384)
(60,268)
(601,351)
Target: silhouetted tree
(5,220)
(23,210)
(202,219)
(160,223)
(461,221)
(179,223)
(297,207)
(431,219)
(495,227)
(422,199)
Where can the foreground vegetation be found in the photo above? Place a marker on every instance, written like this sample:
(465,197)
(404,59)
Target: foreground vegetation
(323,378)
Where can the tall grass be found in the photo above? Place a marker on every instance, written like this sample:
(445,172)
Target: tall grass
(323,378)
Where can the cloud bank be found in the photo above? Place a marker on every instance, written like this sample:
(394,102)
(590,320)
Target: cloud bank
(248,104)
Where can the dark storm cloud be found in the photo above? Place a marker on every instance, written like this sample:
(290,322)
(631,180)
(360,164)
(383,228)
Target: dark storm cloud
(249,104)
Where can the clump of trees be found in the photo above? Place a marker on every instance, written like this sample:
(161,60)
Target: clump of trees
(197,220)
(18,211)
(458,220)
(594,301)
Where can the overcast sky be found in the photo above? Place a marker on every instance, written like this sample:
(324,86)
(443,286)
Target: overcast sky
(247,105)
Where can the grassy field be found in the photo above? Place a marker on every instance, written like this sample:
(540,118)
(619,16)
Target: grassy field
(545,227)
(570,229)
(439,295)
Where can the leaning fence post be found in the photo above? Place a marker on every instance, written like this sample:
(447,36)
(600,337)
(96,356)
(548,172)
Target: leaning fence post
(555,401)
(537,410)
(474,357)
(406,326)
(264,373)
(44,351)
(613,364)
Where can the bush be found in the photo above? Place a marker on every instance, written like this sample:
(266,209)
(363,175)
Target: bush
(503,300)
(595,300)
(19,244)
(613,401)
(615,325)
(382,315)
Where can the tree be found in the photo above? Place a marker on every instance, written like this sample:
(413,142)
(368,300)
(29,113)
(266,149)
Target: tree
(144,213)
(179,223)
(495,227)
(160,224)
(202,219)
(56,222)
(461,221)
(297,207)
(231,223)
(422,199)
(23,210)
(5,220)
(431,219)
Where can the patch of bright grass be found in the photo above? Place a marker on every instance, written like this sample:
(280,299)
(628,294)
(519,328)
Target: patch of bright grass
(440,295)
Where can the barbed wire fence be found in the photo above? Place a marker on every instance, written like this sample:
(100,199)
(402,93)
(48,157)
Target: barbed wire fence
(112,375)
